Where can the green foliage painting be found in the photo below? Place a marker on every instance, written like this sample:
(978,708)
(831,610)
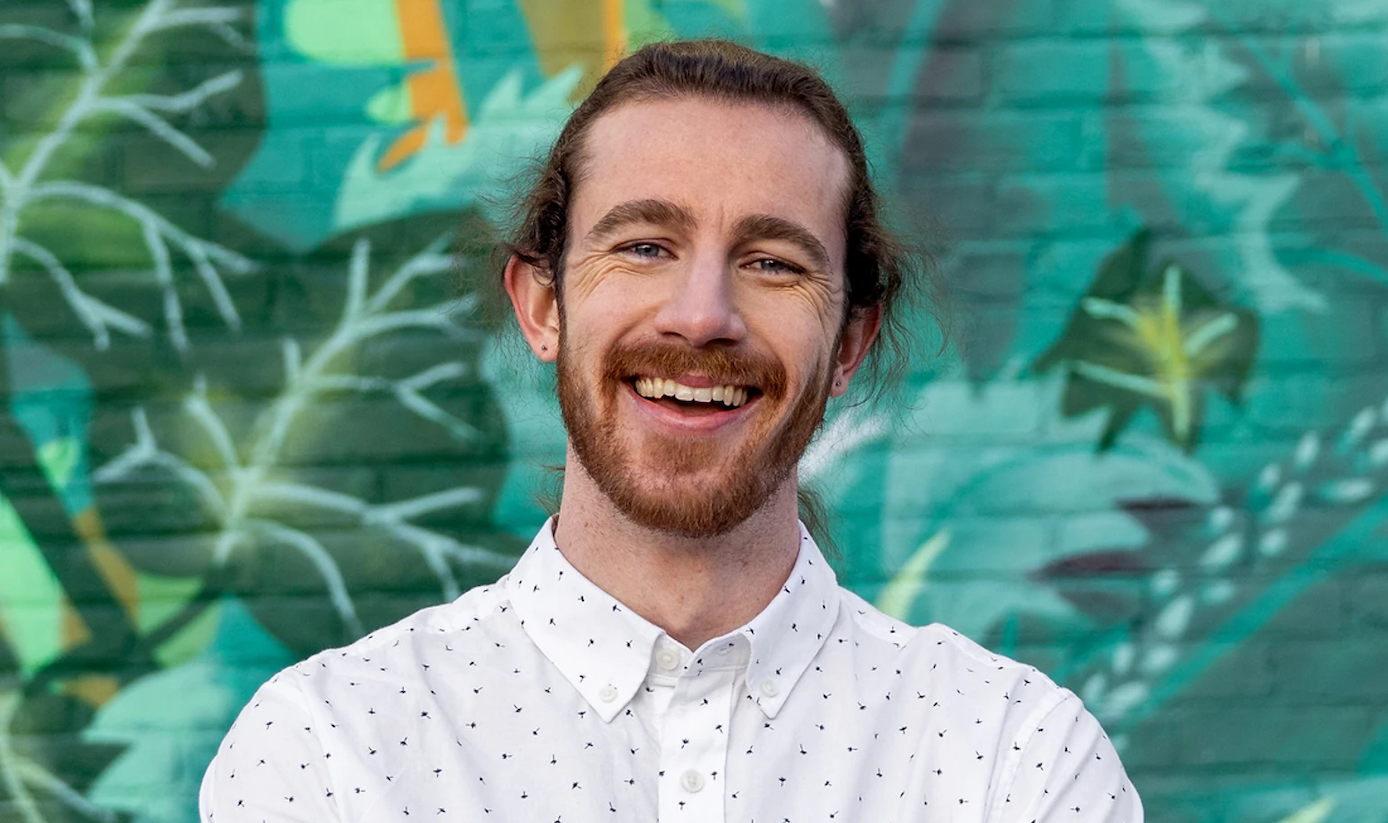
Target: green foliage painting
(249,409)
(1151,338)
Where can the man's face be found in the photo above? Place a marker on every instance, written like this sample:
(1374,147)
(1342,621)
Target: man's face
(703,300)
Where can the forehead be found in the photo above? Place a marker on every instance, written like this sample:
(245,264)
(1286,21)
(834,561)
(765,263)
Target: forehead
(722,160)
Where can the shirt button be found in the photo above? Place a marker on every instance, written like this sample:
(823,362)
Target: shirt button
(692,781)
(666,659)
(608,693)
(768,688)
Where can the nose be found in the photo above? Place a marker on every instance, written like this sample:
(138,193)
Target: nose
(701,305)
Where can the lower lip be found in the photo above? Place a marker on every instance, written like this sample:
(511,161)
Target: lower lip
(689,423)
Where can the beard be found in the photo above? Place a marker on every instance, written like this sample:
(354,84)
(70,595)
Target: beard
(682,505)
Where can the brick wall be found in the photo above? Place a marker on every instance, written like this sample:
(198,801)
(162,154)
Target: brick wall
(248,413)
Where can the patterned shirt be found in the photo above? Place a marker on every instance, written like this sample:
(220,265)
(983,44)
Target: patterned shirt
(542,698)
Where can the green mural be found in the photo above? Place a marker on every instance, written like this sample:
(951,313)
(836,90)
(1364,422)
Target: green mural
(1151,339)
(248,409)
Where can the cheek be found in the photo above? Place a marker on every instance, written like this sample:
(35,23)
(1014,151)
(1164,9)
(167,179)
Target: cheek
(596,318)
(805,317)
(813,295)
(581,278)
(800,340)
(609,281)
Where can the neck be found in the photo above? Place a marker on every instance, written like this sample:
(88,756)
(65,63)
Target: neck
(695,589)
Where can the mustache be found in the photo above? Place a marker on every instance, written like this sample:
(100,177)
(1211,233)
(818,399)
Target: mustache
(740,368)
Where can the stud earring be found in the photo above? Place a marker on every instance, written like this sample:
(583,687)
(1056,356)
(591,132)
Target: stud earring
(544,347)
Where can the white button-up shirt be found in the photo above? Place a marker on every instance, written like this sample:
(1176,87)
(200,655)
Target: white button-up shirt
(541,698)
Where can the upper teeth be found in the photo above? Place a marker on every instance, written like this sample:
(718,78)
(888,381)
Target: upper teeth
(656,388)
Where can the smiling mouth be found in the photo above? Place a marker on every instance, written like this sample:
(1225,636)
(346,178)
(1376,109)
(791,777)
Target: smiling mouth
(691,400)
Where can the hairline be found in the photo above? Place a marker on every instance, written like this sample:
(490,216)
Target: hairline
(581,158)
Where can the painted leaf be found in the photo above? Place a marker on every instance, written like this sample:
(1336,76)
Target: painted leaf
(445,174)
(48,772)
(1228,579)
(1104,584)
(169,723)
(1151,337)
(405,78)
(323,556)
(1000,469)
(68,332)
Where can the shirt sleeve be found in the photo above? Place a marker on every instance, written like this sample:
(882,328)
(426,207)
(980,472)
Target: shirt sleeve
(271,766)
(1069,772)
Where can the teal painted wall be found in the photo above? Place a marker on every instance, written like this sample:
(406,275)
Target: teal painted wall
(246,412)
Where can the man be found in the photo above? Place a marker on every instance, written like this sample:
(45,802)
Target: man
(702,260)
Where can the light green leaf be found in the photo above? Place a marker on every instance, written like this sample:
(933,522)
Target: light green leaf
(346,32)
(30,596)
(908,583)
(172,721)
(1017,487)
(1314,813)
(510,125)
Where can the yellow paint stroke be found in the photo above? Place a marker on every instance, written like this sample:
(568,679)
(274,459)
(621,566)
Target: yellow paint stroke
(96,690)
(123,583)
(614,33)
(568,33)
(118,575)
(74,631)
(1314,813)
(433,92)
(910,581)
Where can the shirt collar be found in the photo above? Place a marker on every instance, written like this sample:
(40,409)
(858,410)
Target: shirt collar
(792,628)
(601,647)
(604,649)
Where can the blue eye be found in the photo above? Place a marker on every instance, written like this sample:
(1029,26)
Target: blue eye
(644,249)
(774,266)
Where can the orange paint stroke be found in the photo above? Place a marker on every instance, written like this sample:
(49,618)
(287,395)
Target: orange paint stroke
(434,91)
(96,690)
(73,631)
(614,33)
(116,573)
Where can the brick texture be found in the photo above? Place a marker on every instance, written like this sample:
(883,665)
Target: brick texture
(249,410)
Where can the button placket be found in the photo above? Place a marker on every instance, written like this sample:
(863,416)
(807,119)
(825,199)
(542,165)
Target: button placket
(694,750)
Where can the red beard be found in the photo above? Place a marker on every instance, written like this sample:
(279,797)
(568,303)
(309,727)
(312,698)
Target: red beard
(760,466)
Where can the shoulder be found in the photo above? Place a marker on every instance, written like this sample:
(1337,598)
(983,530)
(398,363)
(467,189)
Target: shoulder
(939,659)
(474,611)
(388,654)
(870,621)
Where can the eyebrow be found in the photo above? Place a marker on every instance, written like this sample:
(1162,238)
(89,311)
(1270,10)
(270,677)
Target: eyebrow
(655,212)
(752,227)
(768,227)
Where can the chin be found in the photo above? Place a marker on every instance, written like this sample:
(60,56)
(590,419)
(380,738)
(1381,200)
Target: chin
(685,521)
(701,504)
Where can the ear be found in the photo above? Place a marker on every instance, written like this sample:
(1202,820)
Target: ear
(858,336)
(537,310)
